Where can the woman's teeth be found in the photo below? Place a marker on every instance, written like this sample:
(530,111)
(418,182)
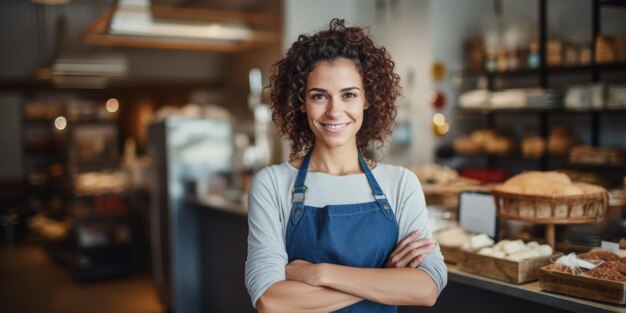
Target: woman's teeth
(335,126)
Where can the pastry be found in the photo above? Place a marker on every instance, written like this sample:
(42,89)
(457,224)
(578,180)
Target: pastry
(599,255)
(465,145)
(605,273)
(453,237)
(483,136)
(499,145)
(435,174)
(614,265)
(561,139)
(533,147)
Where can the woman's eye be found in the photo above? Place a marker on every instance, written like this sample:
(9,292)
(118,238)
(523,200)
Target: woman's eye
(349,95)
(318,96)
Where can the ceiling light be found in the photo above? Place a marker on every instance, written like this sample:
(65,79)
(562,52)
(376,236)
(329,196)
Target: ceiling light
(60,123)
(50,2)
(112,105)
(140,22)
(134,23)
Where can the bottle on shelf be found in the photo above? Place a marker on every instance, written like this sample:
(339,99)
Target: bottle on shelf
(534,58)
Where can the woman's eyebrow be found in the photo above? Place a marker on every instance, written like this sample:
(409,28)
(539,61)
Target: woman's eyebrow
(350,88)
(342,90)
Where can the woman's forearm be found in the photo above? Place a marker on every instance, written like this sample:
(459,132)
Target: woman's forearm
(295,296)
(394,286)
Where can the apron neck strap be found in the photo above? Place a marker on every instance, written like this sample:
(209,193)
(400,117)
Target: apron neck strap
(376,190)
(300,188)
(304,168)
(298,194)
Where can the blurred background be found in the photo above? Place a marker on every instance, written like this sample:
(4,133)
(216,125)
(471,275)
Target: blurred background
(130,129)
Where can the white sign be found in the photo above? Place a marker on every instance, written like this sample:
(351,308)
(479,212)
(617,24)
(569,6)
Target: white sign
(477,213)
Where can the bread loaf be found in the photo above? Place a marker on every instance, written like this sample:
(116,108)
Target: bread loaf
(540,184)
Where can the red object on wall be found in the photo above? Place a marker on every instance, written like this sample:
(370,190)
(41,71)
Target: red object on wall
(485,175)
(438,100)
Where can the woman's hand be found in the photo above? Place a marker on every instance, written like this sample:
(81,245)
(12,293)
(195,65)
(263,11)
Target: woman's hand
(304,271)
(410,252)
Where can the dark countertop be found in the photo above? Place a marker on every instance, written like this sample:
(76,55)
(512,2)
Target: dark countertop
(532,292)
(219,204)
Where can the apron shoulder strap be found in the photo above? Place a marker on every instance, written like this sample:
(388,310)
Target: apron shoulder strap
(377,192)
(298,194)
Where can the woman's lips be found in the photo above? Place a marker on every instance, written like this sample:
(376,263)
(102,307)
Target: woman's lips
(335,127)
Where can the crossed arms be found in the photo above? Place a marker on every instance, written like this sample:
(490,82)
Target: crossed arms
(328,287)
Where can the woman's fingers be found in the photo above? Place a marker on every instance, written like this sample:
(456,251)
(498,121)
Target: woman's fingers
(413,245)
(417,261)
(407,240)
(411,251)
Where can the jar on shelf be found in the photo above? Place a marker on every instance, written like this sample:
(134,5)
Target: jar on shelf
(501,61)
(490,62)
(534,58)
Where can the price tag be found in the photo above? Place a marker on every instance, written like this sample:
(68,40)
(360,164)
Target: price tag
(477,213)
(610,246)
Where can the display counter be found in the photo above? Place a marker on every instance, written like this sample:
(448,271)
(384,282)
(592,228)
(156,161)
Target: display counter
(531,292)
(223,239)
(222,249)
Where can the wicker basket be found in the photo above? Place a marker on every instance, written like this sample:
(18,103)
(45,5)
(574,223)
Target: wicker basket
(589,208)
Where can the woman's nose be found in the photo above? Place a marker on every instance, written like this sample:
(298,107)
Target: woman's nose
(333,108)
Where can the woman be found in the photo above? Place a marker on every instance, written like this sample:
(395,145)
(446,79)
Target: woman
(331,230)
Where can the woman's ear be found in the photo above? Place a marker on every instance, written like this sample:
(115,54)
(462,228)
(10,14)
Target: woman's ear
(366,106)
(303,109)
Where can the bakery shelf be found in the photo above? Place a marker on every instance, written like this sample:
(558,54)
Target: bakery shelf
(525,72)
(106,246)
(559,110)
(520,72)
(613,3)
(101,218)
(588,68)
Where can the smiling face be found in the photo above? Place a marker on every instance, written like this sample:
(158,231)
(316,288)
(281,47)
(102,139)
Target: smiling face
(335,103)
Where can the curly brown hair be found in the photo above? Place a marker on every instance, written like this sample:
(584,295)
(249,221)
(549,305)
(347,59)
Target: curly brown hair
(290,74)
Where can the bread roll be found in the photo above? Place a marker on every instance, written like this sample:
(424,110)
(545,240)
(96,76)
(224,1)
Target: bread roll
(533,147)
(483,136)
(465,145)
(544,250)
(486,251)
(478,241)
(499,254)
(498,246)
(589,188)
(514,247)
(532,244)
(499,146)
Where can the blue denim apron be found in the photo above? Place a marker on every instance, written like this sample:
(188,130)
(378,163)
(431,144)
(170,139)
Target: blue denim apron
(357,235)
